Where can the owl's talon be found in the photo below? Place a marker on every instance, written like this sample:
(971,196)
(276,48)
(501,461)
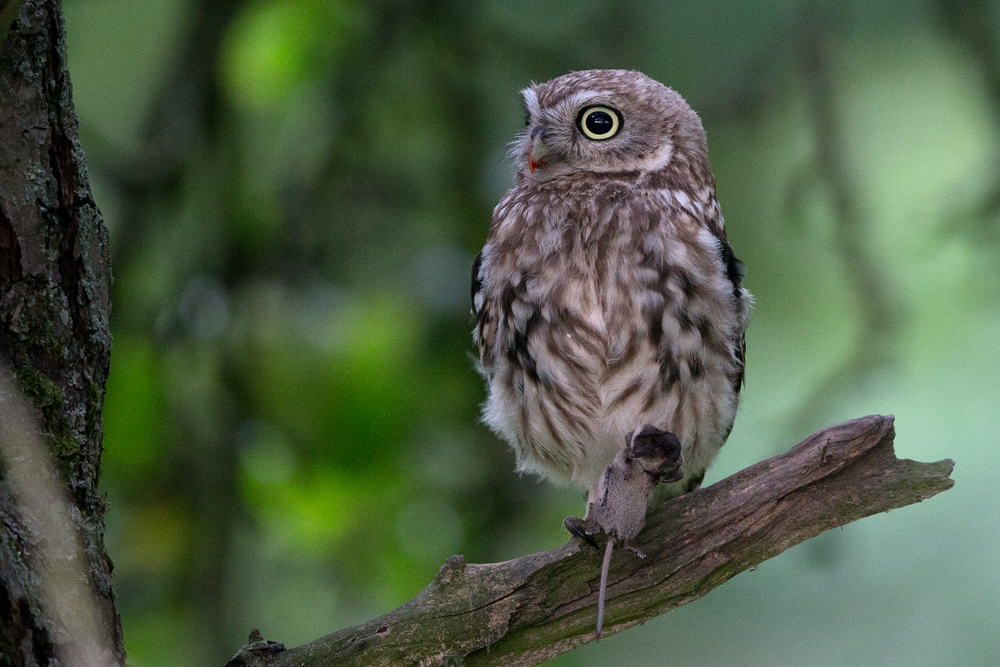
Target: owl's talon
(667,473)
(578,527)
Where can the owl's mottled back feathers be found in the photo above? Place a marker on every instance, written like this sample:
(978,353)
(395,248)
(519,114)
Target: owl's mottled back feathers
(607,296)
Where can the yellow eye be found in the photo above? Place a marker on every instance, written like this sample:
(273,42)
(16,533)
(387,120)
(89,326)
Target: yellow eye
(599,123)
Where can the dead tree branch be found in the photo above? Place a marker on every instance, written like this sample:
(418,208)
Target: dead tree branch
(531,609)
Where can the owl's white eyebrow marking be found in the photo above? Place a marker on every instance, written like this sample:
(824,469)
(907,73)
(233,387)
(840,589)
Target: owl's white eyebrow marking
(583,97)
(531,101)
(571,102)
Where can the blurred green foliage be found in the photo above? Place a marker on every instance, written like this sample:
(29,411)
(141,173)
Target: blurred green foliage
(296,190)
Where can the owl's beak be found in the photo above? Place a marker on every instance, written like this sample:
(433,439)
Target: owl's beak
(537,150)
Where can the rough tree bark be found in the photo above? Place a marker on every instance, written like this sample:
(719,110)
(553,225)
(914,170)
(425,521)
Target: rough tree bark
(55,277)
(528,610)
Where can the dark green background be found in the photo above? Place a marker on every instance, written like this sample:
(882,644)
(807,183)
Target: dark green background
(296,191)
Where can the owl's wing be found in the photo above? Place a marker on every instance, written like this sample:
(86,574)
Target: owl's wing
(734,271)
(482,309)
(477,286)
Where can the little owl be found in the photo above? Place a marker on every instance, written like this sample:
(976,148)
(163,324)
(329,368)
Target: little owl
(607,298)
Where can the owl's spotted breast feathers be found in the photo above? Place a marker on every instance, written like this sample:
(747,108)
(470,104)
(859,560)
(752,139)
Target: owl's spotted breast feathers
(604,306)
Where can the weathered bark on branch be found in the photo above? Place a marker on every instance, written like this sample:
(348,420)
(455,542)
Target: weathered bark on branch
(55,279)
(528,610)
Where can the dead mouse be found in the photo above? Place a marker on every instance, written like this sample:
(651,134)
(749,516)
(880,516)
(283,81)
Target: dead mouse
(650,456)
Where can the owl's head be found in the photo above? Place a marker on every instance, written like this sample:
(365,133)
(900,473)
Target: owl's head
(606,121)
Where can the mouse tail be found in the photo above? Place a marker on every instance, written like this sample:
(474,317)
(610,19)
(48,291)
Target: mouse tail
(605,566)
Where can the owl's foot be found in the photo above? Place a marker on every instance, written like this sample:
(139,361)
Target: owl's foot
(578,527)
(658,452)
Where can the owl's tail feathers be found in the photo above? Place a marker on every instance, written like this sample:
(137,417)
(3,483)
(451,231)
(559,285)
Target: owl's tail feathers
(605,566)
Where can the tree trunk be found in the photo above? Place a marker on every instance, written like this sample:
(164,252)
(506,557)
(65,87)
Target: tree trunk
(55,277)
